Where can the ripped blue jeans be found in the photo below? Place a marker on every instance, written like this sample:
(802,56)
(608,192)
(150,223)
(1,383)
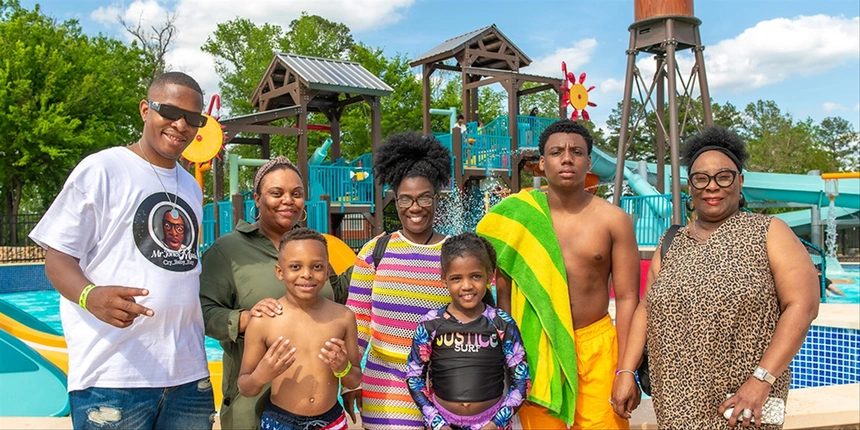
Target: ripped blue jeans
(187,406)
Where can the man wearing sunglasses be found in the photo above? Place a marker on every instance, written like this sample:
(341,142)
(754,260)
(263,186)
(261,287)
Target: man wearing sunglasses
(131,311)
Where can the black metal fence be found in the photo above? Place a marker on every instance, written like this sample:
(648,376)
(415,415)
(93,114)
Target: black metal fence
(355,230)
(15,245)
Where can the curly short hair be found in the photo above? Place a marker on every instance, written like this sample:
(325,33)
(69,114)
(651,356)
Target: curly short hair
(720,137)
(278,163)
(468,244)
(301,233)
(565,126)
(411,155)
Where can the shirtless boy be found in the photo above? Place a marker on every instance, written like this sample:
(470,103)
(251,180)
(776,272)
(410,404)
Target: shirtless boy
(597,242)
(305,349)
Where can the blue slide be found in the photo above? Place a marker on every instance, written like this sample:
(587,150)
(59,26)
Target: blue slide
(37,386)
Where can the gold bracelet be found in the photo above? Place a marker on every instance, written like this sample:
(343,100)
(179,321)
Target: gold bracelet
(345,371)
(82,301)
(625,370)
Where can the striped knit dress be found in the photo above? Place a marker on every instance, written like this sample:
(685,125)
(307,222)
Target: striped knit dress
(388,302)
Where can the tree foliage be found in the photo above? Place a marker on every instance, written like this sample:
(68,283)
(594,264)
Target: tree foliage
(65,95)
(545,101)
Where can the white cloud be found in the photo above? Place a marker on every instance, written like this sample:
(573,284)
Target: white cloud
(106,15)
(770,52)
(611,86)
(857,107)
(575,56)
(775,50)
(197,20)
(830,107)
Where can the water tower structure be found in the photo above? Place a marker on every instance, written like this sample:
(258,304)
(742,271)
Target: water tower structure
(663,28)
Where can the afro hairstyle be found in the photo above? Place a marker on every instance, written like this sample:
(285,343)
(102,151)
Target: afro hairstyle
(411,155)
(715,136)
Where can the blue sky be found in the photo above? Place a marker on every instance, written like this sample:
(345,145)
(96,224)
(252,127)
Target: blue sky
(805,55)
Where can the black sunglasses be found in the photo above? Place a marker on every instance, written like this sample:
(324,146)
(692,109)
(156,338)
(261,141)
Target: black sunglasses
(173,113)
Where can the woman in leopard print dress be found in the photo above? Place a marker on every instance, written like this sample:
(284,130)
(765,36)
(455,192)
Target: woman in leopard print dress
(729,309)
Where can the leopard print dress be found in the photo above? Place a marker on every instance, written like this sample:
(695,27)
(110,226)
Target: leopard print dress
(712,312)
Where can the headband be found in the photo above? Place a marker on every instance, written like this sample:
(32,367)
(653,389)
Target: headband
(720,149)
(269,166)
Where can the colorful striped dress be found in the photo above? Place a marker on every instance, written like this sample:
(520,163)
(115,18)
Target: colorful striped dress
(388,302)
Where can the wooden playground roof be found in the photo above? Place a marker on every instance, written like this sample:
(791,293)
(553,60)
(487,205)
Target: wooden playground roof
(326,78)
(485,47)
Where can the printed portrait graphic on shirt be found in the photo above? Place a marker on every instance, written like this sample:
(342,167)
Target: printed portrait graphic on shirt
(167,233)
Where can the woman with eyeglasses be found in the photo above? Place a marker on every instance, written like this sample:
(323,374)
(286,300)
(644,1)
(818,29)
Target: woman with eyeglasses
(727,309)
(390,298)
(238,280)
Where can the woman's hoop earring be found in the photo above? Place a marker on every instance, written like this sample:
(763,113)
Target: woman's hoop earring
(305,211)
(742,201)
(688,203)
(256,213)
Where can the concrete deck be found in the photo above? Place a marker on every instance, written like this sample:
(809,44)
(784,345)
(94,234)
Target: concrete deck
(833,407)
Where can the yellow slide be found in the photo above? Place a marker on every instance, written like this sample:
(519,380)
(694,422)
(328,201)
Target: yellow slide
(53,348)
(340,255)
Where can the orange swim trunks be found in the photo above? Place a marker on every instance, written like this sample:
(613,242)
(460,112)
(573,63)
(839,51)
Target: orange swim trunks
(596,359)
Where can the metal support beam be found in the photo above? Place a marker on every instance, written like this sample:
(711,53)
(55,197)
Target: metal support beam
(375,142)
(426,71)
(625,119)
(703,79)
(660,138)
(674,138)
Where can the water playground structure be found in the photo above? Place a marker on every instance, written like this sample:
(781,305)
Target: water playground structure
(294,86)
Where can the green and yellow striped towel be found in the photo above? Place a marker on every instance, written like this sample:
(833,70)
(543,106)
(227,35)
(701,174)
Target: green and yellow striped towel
(521,231)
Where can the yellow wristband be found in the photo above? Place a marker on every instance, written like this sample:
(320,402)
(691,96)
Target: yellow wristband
(82,301)
(345,371)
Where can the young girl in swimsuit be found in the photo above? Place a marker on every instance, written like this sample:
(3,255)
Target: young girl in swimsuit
(468,349)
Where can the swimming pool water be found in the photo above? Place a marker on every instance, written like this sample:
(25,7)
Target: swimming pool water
(851,290)
(45,306)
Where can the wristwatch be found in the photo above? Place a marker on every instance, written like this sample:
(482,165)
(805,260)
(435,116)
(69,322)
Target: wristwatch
(763,375)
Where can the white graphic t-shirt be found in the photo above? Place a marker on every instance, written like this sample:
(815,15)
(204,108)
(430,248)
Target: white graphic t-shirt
(115,216)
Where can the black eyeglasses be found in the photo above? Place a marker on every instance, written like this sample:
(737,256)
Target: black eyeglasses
(405,202)
(173,113)
(178,228)
(723,178)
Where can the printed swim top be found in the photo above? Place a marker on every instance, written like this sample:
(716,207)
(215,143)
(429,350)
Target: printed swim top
(467,362)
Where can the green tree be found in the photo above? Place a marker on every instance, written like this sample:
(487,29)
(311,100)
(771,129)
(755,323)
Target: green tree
(399,112)
(840,139)
(778,144)
(242,51)
(318,37)
(66,95)
(545,101)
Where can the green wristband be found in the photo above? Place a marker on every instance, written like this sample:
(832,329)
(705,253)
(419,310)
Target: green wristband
(345,371)
(82,301)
